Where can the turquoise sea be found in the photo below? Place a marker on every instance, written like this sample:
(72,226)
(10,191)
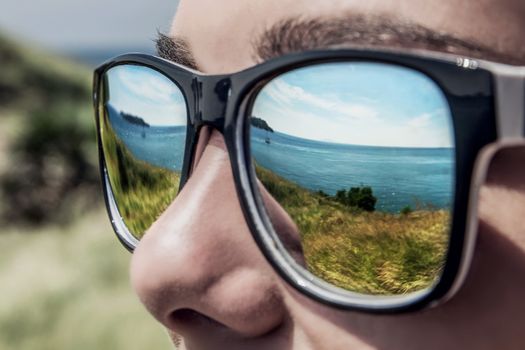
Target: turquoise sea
(398,176)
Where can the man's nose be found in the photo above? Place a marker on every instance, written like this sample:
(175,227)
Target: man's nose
(198,267)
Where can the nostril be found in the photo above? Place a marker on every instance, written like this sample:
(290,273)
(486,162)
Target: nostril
(192,324)
(201,331)
(191,318)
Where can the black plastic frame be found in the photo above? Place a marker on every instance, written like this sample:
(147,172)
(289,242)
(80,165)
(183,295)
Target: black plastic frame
(224,102)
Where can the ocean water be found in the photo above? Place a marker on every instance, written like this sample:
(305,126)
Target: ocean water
(398,176)
(161,146)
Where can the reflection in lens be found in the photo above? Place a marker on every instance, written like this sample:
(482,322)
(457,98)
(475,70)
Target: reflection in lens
(361,157)
(143,132)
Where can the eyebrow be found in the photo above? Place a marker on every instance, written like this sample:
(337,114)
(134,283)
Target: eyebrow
(301,34)
(175,49)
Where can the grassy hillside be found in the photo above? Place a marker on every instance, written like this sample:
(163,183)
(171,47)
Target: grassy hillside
(366,252)
(64,276)
(48,162)
(142,191)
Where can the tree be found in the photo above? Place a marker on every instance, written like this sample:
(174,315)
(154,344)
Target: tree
(365,199)
(359,197)
(340,196)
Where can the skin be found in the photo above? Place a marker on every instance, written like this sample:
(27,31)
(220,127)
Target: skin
(199,272)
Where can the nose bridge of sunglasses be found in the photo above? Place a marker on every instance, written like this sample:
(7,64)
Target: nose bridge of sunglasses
(211,97)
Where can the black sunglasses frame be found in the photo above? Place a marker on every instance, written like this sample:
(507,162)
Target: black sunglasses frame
(224,102)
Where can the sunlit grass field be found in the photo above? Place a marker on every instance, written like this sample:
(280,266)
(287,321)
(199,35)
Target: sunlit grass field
(142,191)
(67,288)
(367,252)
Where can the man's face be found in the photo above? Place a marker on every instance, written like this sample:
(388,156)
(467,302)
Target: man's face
(198,270)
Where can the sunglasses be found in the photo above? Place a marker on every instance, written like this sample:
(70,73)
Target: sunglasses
(376,157)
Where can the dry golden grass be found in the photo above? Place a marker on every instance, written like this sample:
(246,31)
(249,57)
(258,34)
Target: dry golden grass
(67,288)
(365,252)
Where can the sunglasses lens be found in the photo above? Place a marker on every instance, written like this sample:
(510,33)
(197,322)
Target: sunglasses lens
(361,157)
(143,120)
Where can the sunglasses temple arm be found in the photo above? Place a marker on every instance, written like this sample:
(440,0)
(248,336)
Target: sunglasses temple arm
(510,104)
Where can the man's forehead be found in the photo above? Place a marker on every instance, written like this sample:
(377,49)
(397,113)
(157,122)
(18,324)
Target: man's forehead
(222,34)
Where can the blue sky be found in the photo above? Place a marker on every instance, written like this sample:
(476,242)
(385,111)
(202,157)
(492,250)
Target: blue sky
(147,94)
(358,103)
(69,25)
(353,103)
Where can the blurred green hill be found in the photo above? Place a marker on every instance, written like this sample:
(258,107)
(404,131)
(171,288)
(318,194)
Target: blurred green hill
(48,163)
(63,276)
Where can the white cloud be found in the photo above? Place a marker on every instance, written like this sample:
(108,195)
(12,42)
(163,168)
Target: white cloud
(153,97)
(280,110)
(287,94)
(420,121)
(147,84)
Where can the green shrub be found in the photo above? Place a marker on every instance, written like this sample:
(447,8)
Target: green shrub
(406,210)
(48,136)
(323,194)
(359,197)
(52,163)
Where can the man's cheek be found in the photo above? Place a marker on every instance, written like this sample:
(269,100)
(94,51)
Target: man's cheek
(502,198)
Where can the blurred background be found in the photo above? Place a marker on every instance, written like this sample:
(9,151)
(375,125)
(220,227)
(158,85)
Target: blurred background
(63,274)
